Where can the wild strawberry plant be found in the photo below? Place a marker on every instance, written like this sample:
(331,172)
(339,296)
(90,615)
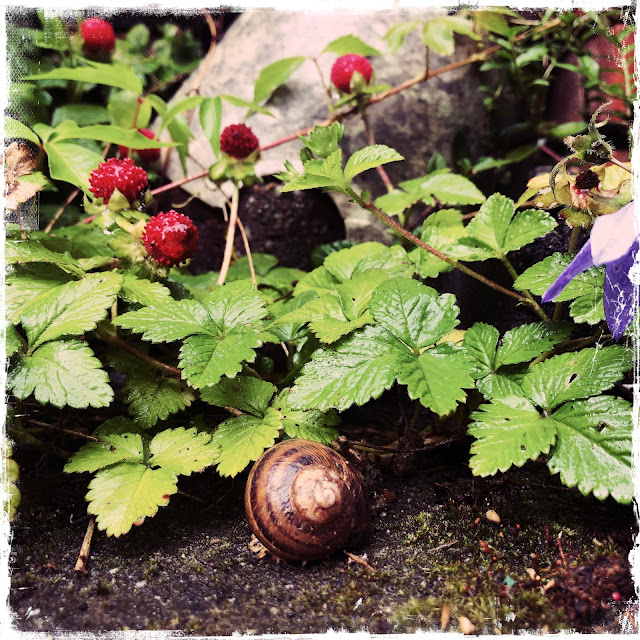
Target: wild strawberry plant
(107,301)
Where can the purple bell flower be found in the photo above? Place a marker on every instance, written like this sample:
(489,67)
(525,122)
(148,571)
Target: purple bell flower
(614,243)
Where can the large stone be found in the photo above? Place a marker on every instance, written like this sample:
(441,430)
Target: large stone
(416,122)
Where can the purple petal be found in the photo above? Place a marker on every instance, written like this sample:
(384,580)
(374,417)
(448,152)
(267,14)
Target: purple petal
(620,293)
(613,234)
(580,263)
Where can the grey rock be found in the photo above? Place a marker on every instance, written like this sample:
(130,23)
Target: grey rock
(416,122)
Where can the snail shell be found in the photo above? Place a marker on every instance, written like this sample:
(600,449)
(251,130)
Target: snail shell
(304,501)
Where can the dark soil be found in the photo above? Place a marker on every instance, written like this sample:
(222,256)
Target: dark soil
(433,556)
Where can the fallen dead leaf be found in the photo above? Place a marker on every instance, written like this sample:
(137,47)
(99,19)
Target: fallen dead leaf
(466,626)
(256,547)
(18,161)
(445,616)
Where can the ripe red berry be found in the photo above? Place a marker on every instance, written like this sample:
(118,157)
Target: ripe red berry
(238,141)
(615,596)
(147,156)
(121,174)
(97,34)
(170,238)
(344,67)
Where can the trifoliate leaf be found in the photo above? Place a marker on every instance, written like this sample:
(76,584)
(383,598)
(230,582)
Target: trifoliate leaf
(509,431)
(70,309)
(368,158)
(594,447)
(234,303)
(173,320)
(497,228)
(205,359)
(444,231)
(481,341)
(585,289)
(346,263)
(125,494)
(182,451)
(437,377)
(62,373)
(358,368)
(26,251)
(413,312)
(141,291)
(497,385)
(576,375)
(111,449)
(528,341)
(245,393)
(24,285)
(243,439)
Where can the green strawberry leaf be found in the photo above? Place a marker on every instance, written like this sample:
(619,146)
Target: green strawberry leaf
(205,359)
(182,451)
(594,447)
(243,439)
(496,226)
(111,449)
(62,373)
(369,158)
(481,341)
(413,312)
(275,75)
(11,340)
(437,377)
(71,162)
(141,291)
(323,141)
(509,431)
(448,188)
(70,309)
(125,494)
(317,281)
(396,35)
(571,376)
(27,251)
(309,424)
(396,201)
(358,368)
(528,341)
(350,44)
(24,285)
(247,394)
(345,264)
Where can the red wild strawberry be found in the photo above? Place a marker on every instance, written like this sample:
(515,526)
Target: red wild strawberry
(147,156)
(170,238)
(97,34)
(238,141)
(344,68)
(123,175)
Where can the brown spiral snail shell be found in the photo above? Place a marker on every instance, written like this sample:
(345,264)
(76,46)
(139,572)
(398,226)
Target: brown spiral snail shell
(304,501)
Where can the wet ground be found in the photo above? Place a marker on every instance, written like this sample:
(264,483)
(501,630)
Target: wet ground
(555,560)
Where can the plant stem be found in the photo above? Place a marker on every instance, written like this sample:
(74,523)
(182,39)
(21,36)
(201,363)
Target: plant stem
(117,341)
(231,232)
(247,248)
(573,243)
(327,93)
(60,211)
(527,294)
(179,183)
(419,243)
(619,164)
(380,169)
(569,345)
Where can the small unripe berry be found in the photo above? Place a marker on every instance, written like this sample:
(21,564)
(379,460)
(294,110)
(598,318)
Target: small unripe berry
(97,34)
(238,141)
(121,174)
(170,238)
(147,156)
(344,68)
